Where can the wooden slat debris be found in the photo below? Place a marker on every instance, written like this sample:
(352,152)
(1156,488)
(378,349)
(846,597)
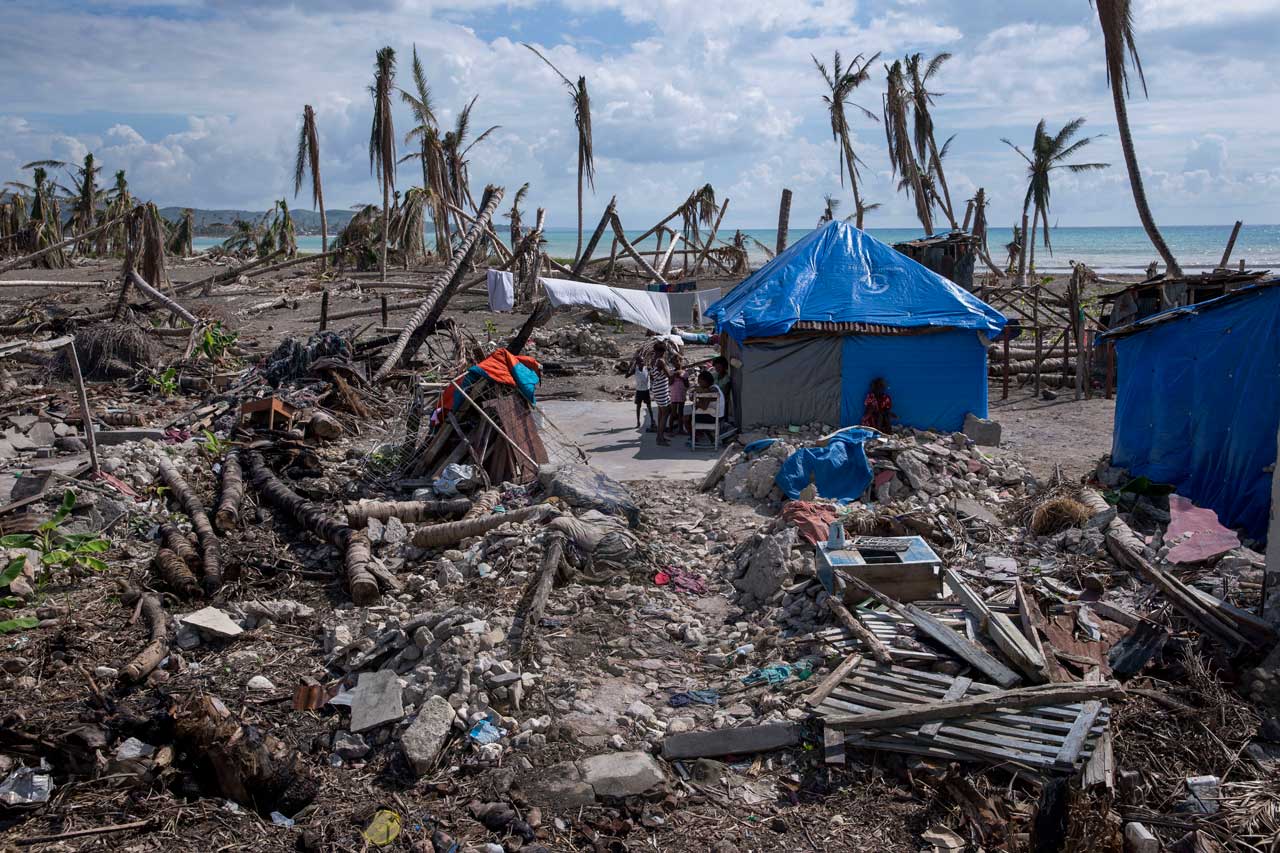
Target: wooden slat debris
(1029,726)
(1025,655)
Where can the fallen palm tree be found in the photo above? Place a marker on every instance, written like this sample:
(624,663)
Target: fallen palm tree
(143,663)
(450,532)
(210,548)
(174,540)
(422,323)
(357,559)
(358,514)
(228,513)
(175,573)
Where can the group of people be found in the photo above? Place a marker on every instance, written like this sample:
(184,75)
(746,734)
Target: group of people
(676,397)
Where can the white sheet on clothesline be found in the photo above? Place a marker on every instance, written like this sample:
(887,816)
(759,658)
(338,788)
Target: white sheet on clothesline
(650,310)
(502,290)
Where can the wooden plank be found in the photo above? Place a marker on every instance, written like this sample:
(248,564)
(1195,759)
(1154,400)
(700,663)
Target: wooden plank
(854,626)
(837,675)
(961,647)
(739,741)
(1071,747)
(957,689)
(1022,697)
(1044,726)
(1033,622)
(1100,771)
(1001,630)
(833,746)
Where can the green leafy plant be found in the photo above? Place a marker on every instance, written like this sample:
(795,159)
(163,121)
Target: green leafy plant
(8,626)
(216,342)
(213,445)
(166,383)
(490,329)
(72,551)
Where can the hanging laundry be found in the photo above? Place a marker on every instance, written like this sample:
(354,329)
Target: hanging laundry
(502,290)
(650,310)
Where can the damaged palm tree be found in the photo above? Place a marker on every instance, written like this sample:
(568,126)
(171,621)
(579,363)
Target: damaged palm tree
(176,574)
(358,514)
(173,539)
(210,547)
(354,545)
(227,515)
(144,256)
(898,136)
(423,321)
(450,532)
(307,159)
(246,765)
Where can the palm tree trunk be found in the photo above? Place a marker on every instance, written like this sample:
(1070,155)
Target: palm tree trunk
(942,179)
(324,229)
(386,225)
(1022,254)
(577,253)
(1135,178)
(1031,244)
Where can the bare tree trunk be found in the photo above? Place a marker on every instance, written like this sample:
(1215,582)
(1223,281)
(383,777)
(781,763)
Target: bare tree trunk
(1231,244)
(942,179)
(784,221)
(577,253)
(1022,252)
(715,229)
(1135,178)
(386,225)
(631,250)
(324,230)
(584,257)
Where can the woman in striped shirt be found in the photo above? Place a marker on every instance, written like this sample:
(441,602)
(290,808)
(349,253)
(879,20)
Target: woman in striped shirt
(660,388)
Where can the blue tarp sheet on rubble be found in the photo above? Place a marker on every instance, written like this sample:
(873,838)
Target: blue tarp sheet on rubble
(840,470)
(1198,403)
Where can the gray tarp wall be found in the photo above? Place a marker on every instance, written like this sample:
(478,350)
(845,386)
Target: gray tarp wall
(789,381)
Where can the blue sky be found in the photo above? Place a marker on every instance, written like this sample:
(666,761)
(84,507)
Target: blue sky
(199,99)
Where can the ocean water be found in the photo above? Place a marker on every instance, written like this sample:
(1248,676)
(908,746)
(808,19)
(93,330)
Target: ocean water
(1113,250)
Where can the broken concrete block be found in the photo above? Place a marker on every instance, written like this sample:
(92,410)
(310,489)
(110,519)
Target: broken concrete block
(622,774)
(983,431)
(350,747)
(376,700)
(212,622)
(426,735)
(41,434)
(1140,839)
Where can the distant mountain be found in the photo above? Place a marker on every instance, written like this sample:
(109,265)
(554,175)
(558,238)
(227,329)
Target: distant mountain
(221,223)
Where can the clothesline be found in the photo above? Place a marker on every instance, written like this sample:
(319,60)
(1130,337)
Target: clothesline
(657,312)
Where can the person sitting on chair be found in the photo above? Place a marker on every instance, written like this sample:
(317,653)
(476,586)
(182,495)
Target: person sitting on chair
(707,409)
(877,407)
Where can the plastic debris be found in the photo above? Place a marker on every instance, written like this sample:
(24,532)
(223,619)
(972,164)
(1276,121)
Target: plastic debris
(383,829)
(280,820)
(26,786)
(485,732)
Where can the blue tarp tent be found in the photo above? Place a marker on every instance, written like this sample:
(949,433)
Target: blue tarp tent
(839,308)
(1198,402)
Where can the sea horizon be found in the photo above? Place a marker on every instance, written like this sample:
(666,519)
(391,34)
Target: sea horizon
(1107,249)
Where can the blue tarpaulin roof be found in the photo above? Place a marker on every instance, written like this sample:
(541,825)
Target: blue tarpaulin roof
(839,274)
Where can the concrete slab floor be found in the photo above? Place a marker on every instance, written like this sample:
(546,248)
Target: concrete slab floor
(607,432)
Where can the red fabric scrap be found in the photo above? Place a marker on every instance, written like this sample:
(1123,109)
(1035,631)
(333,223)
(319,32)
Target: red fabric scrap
(812,520)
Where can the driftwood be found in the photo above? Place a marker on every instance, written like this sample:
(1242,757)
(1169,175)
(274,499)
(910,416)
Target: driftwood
(422,323)
(210,548)
(439,535)
(256,266)
(245,764)
(228,513)
(534,601)
(175,573)
(986,703)
(359,513)
(854,626)
(355,547)
(160,299)
(155,651)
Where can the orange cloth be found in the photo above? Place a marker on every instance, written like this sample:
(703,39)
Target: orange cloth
(497,367)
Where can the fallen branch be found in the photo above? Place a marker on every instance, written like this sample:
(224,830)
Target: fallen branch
(210,548)
(228,513)
(534,601)
(438,535)
(155,651)
(1020,697)
(160,299)
(222,275)
(854,626)
(82,833)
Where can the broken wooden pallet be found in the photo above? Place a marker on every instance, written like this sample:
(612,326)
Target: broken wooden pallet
(887,626)
(1043,738)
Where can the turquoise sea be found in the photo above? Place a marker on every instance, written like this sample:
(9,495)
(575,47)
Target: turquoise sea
(1114,250)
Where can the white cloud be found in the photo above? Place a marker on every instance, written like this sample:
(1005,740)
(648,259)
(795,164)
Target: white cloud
(1168,14)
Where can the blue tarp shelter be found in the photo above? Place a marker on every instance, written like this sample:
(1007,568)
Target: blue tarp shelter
(839,308)
(1198,402)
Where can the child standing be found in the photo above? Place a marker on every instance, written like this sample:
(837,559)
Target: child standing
(660,388)
(641,372)
(679,386)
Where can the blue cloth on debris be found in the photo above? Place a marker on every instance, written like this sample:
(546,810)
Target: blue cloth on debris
(694,697)
(1198,402)
(839,274)
(758,446)
(840,470)
(773,675)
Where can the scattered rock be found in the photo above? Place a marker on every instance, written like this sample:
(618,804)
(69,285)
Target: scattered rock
(426,735)
(622,774)
(213,623)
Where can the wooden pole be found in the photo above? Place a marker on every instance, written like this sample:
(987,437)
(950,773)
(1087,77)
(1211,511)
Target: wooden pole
(595,238)
(385,321)
(1005,394)
(324,310)
(1111,369)
(85,417)
(1231,244)
(784,221)
(1035,318)
(631,250)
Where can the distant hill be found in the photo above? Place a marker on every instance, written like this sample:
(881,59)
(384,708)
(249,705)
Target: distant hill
(220,223)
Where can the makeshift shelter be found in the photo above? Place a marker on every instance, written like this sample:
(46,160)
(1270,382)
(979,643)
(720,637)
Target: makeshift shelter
(809,331)
(1198,402)
(949,255)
